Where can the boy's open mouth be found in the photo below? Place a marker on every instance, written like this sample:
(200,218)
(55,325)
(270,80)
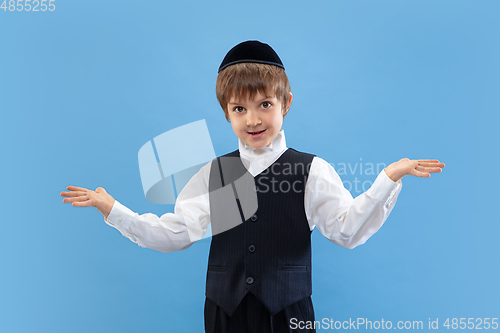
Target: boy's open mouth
(254,133)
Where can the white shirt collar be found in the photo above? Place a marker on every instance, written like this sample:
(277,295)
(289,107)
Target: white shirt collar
(276,146)
(258,159)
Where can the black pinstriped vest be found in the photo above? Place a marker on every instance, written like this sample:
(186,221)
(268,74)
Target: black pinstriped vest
(268,254)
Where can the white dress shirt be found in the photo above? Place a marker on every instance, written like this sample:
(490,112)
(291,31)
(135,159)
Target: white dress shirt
(329,206)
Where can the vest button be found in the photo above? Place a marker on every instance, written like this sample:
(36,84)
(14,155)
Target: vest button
(249,280)
(254,218)
(256,188)
(251,248)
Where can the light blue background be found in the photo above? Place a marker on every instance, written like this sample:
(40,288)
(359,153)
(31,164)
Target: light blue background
(84,87)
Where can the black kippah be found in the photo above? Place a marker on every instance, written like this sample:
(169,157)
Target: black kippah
(251,51)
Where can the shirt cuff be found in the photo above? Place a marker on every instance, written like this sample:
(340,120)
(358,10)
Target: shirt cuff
(384,189)
(117,217)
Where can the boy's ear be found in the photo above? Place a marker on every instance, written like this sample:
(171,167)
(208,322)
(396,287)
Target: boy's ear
(289,104)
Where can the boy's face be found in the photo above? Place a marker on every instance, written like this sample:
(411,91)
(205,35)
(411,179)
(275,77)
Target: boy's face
(256,121)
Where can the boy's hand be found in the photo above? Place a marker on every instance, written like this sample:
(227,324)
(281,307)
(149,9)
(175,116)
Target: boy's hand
(81,197)
(418,168)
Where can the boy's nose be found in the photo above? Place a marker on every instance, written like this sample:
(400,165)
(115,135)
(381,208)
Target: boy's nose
(253,120)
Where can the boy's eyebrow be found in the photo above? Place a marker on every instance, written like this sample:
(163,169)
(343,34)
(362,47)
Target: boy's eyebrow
(238,102)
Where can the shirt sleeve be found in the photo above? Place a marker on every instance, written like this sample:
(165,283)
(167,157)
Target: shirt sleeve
(171,231)
(343,220)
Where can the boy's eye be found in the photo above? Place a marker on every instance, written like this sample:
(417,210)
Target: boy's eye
(266,105)
(239,109)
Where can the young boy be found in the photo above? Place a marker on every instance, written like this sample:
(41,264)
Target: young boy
(259,272)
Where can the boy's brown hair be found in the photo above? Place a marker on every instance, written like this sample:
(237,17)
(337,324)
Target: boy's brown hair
(246,79)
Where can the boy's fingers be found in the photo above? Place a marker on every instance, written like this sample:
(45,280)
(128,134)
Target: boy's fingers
(76,188)
(431,164)
(428,169)
(75,199)
(428,165)
(420,173)
(73,194)
(81,203)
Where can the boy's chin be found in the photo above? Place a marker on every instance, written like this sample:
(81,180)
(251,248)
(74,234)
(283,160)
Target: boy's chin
(257,145)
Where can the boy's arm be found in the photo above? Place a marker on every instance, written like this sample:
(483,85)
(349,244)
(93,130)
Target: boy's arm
(343,220)
(172,231)
(168,233)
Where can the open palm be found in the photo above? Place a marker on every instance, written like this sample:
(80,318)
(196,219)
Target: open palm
(82,197)
(417,168)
